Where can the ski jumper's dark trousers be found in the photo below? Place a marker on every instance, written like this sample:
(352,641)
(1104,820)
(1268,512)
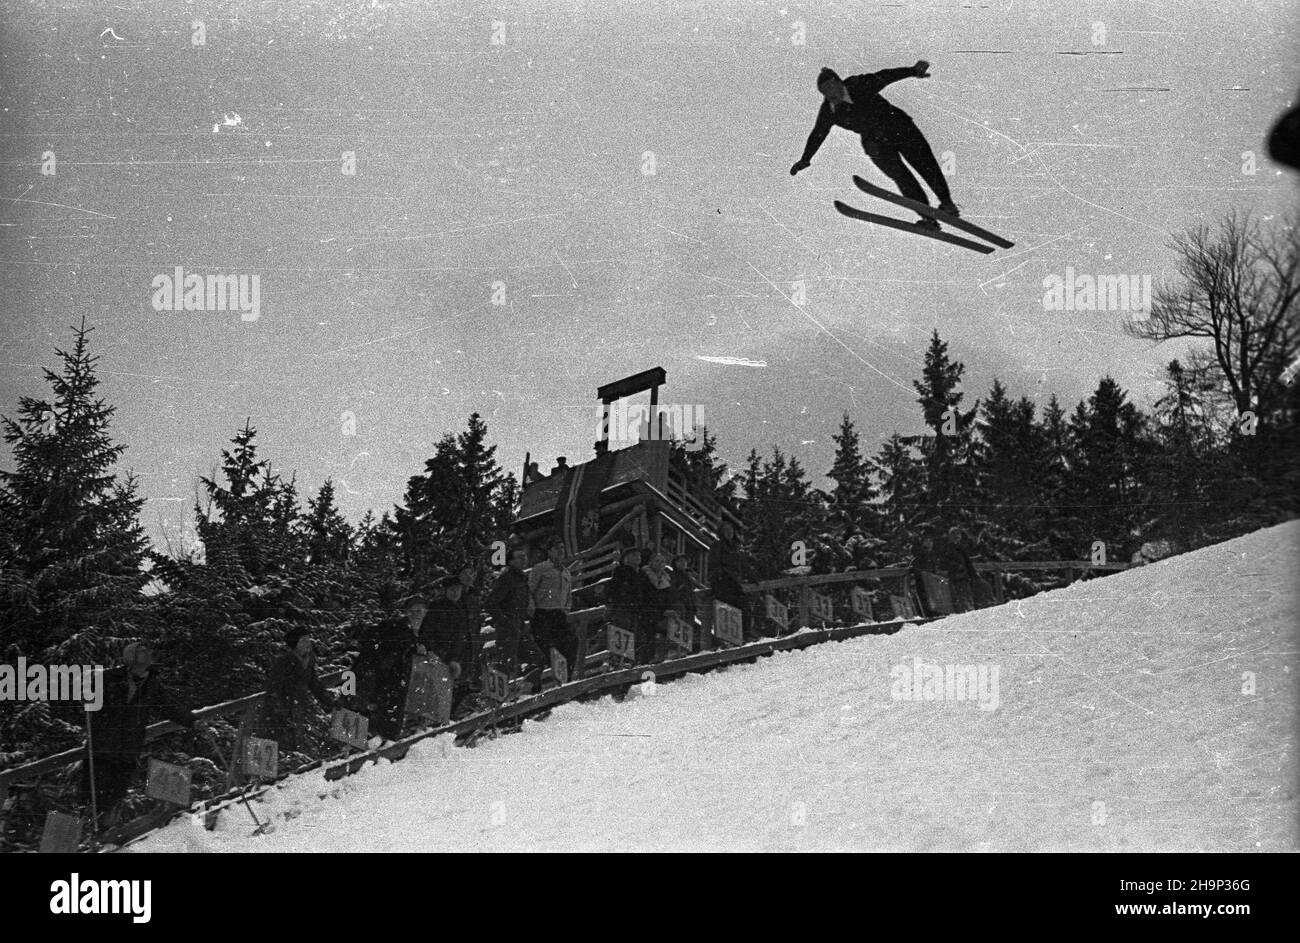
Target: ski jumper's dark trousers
(897,140)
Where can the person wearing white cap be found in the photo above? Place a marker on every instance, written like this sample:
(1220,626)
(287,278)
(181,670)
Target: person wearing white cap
(133,695)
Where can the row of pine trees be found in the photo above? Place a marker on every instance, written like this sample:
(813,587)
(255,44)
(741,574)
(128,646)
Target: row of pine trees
(79,577)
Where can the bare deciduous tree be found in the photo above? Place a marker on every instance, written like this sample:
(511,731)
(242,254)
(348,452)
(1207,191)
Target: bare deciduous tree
(1238,290)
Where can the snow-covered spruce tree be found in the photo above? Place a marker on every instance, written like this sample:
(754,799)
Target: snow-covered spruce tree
(1058,517)
(328,535)
(1185,463)
(708,471)
(219,623)
(377,559)
(493,493)
(1109,478)
(947,455)
(1006,516)
(901,506)
(851,529)
(71,546)
(455,509)
(780,507)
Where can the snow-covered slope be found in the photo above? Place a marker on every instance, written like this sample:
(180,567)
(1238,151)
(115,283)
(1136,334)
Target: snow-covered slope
(1153,709)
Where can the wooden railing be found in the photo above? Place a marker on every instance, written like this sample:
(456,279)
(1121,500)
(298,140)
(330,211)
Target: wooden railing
(582,618)
(700,508)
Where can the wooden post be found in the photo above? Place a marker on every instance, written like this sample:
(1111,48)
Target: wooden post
(804,617)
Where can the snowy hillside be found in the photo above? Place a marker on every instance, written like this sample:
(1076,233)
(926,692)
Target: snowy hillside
(1117,714)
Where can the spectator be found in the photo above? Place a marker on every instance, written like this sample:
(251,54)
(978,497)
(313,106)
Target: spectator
(657,604)
(924,561)
(684,594)
(291,681)
(623,594)
(507,604)
(725,572)
(447,636)
(471,602)
(133,694)
(384,667)
(549,588)
(956,564)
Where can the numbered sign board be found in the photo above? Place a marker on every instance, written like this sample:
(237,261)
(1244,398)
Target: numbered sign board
(823,608)
(168,782)
(261,758)
(681,633)
(728,626)
(559,667)
(350,727)
(495,684)
(938,593)
(621,643)
(902,607)
(776,611)
(60,834)
(861,602)
(428,696)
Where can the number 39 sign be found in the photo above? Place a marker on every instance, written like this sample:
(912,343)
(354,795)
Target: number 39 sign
(261,758)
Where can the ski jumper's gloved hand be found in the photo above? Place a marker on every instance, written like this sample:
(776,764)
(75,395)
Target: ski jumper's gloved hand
(922,69)
(798,166)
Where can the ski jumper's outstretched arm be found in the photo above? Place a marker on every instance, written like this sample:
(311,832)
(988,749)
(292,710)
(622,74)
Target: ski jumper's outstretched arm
(819,132)
(876,81)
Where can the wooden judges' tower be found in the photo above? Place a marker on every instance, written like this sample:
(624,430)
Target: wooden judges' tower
(638,496)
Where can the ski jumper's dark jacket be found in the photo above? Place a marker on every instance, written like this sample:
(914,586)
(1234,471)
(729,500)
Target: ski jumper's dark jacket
(870,116)
(117,728)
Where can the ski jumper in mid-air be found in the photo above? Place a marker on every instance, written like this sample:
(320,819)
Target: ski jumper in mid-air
(889,136)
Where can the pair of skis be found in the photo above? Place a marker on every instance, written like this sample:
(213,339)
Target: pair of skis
(928,211)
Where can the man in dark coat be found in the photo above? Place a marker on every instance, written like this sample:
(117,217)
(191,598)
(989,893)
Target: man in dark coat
(726,571)
(290,684)
(471,601)
(684,594)
(507,604)
(623,592)
(446,635)
(550,588)
(925,560)
(657,601)
(384,667)
(133,695)
(955,563)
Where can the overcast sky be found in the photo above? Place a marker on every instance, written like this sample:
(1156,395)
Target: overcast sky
(520,167)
